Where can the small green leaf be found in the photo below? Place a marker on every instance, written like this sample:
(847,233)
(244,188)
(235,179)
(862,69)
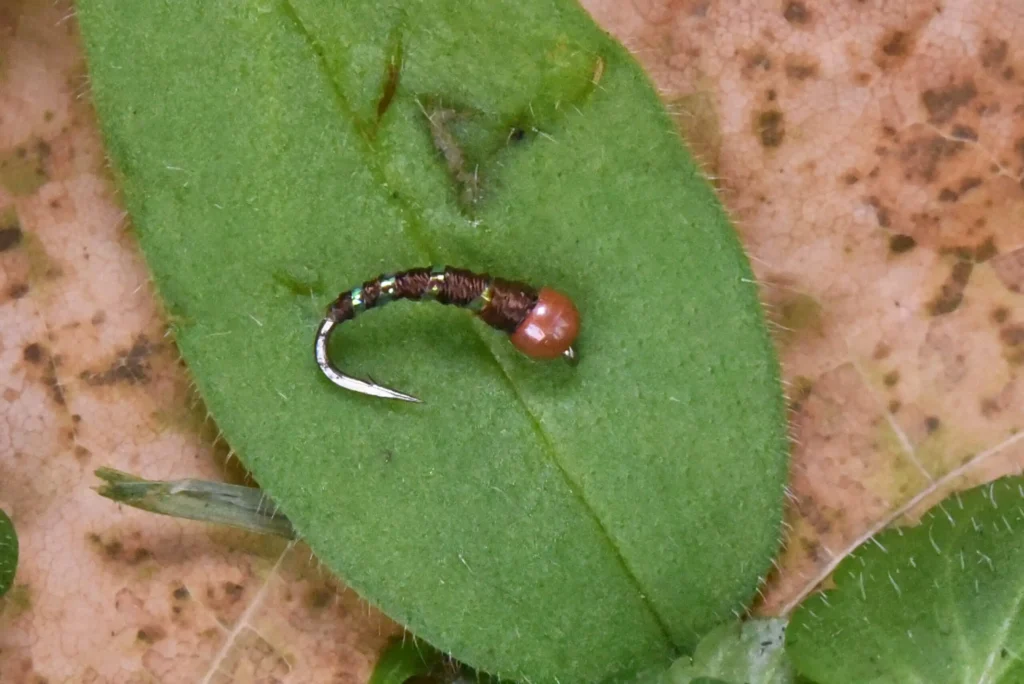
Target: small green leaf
(940,602)
(220,503)
(534,520)
(8,553)
(749,652)
(403,659)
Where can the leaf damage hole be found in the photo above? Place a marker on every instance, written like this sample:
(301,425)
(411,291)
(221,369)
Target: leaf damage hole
(469,140)
(443,123)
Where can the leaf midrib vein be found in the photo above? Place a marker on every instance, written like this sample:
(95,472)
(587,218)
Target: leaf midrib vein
(412,228)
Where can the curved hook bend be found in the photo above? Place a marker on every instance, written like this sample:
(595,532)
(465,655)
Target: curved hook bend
(323,335)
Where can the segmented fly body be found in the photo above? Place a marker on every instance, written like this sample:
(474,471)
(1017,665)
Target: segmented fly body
(542,324)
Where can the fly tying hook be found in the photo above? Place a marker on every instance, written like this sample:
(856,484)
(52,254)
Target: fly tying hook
(542,324)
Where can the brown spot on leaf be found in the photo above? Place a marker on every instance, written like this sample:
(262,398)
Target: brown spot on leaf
(989,407)
(56,389)
(993,52)
(986,250)
(802,312)
(951,293)
(139,555)
(33,353)
(900,243)
(896,43)
(1000,315)
(233,590)
(894,47)
(931,424)
(181,594)
(23,171)
(891,378)
(112,549)
(151,634)
(1012,335)
(801,69)
(758,60)
(921,156)
(10,237)
(964,132)
(17,290)
(318,597)
(851,178)
(812,548)
(770,127)
(943,103)
(796,12)
(131,366)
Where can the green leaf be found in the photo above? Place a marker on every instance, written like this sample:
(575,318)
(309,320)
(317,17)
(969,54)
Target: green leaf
(406,658)
(749,652)
(8,553)
(403,659)
(533,519)
(938,602)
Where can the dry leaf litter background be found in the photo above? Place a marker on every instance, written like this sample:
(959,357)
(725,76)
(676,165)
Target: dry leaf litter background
(873,160)
(872,155)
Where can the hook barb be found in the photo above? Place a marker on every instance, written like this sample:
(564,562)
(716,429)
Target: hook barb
(323,335)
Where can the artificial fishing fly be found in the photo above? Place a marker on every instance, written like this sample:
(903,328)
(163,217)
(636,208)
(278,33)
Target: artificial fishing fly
(540,323)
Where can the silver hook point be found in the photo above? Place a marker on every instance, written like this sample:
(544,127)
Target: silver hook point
(323,335)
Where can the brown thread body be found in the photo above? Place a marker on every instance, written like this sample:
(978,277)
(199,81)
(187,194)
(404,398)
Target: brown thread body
(510,301)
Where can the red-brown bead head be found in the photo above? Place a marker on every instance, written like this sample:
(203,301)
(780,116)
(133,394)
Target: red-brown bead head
(550,328)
